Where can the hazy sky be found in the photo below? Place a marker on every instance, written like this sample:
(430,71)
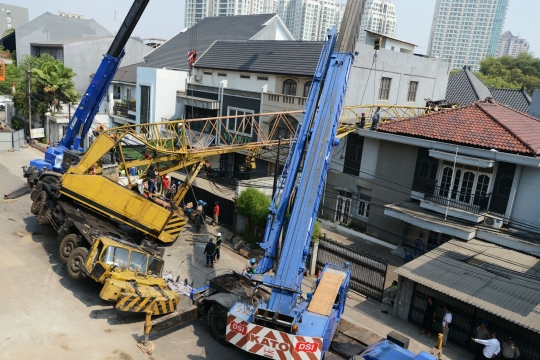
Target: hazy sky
(165,18)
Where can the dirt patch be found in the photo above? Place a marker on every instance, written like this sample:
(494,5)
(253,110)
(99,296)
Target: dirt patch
(108,330)
(64,346)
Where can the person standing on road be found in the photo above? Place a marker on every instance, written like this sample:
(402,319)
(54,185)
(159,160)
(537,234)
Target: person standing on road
(216,214)
(510,350)
(390,296)
(447,320)
(217,253)
(429,317)
(209,251)
(375,119)
(492,346)
(482,333)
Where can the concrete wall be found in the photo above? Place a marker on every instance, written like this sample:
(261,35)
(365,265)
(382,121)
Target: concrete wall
(85,57)
(163,87)
(526,205)
(404,298)
(53,27)
(274,30)
(18,16)
(370,156)
(395,165)
(234,81)
(431,75)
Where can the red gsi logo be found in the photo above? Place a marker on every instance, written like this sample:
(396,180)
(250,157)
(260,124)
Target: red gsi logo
(238,328)
(304,346)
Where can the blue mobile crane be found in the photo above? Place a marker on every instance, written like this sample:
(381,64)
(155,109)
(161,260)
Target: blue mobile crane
(68,151)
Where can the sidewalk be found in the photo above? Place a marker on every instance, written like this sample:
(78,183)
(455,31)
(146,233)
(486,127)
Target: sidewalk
(367,313)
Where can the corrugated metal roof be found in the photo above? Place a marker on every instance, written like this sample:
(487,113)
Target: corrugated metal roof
(503,282)
(263,56)
(173,53)
(127,74)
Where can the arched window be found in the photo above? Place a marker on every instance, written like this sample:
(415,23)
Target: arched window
(289,87)
(307,86)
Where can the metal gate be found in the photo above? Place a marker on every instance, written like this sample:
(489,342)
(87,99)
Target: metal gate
(18,139)
(10,140)
(466,318)
(368,273)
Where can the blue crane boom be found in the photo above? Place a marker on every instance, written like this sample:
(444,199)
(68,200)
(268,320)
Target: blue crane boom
(82,119)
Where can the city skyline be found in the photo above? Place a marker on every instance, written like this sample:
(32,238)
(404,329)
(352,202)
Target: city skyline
(521,23)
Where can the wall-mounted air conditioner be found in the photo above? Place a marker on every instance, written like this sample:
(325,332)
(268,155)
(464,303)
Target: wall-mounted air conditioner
(493,222)
(198,77)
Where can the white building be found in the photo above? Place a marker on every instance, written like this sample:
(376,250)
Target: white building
(510,45)
(309,20)
(463,33)
(379,16)
(196,10)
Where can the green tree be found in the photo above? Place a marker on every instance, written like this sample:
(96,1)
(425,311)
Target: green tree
(50,83)
(12,77)
(254,205)
(316,232)
(511,73)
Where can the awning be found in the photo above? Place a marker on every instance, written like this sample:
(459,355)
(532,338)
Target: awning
(467,160)
(413,214)
(198,102)
(502,282)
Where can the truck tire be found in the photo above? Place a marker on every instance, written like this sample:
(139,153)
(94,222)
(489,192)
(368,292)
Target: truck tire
(36,190)
(39,201)
(43,217)
(216,318)
(50,179)
(67,245)
(76,261)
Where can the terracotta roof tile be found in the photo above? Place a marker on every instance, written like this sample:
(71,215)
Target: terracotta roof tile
(484,124)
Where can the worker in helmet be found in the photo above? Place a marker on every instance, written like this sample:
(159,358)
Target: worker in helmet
(251,267)
(99,130)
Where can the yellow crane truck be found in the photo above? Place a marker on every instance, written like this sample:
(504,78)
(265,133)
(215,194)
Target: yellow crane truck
(89,201)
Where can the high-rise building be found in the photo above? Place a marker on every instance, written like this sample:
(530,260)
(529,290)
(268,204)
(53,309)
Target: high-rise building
(380,17)
(310,19)
(196,10)
(510,45)
(464,32)
(12,17)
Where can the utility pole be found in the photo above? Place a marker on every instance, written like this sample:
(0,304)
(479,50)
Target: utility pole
(277,167)
(29,105)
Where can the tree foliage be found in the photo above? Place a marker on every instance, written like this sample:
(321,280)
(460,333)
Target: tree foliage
(8,31)
(511,73)
(50,84)
(254,205)
(316,232)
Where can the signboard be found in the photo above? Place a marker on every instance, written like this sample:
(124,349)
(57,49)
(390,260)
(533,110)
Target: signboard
(37,133)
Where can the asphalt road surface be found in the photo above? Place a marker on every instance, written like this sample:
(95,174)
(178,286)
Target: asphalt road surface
(44,314)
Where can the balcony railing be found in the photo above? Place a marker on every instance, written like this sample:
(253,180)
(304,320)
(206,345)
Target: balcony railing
(466,201)
(285,100)
(124,107)
(130,105)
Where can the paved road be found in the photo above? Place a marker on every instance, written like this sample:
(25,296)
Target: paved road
(47,315)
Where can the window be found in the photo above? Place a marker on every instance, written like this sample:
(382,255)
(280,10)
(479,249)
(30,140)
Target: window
(363,208)
(243,124)
(207,73)
(115,256)
(265,78)
(343,207)
(384,91)
(145,104)
(222,74)
(155,267)
(413,87)
(128,94)
(8,12)
(9,26)
(307,86)
(289,87)
(137,261)
(245,77)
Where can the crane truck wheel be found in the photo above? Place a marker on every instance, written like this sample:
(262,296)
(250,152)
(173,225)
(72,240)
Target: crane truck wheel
(216,318)
(76,261)
(44,212)
(39,202)
(36,190)
(67,245)
(50,179)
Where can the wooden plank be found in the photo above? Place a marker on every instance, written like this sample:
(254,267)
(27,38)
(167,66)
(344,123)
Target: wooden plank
(326,293)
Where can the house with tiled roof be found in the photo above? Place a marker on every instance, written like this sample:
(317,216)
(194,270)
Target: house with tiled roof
(455,194)
(464,88)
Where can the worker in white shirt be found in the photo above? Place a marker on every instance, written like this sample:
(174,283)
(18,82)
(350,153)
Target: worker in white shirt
(447,320)
(492,347)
